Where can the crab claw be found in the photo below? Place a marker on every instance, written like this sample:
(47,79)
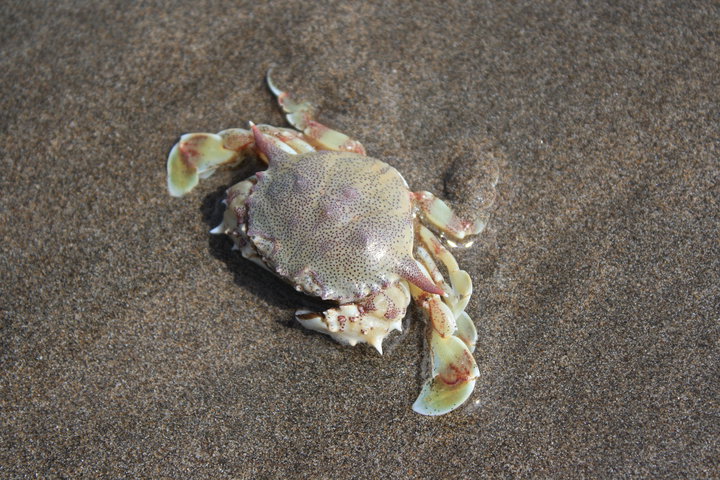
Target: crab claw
(198,155)
(453,376)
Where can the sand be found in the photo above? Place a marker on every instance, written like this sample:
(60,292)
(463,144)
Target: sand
(135,345)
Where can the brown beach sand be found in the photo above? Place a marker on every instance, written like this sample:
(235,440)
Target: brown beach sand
(133,345)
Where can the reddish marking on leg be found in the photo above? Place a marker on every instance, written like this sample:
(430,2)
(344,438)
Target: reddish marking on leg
(189,151)
(189,146)
(436,246)
(457,372)
(186,163)
(282,97)
(392,311)
(354,146)
(437,318)
(315,129)
(421,199)
(237,142)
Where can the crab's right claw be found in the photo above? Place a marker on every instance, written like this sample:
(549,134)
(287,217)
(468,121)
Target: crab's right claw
(453,376)
(198,155)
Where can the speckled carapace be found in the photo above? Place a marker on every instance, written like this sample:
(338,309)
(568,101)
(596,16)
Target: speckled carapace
(345,229)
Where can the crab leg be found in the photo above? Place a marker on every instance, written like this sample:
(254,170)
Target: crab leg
(454,370)
(301,115)
(452,334)
(459,290)
(370,320)
(453,376)
(438,214)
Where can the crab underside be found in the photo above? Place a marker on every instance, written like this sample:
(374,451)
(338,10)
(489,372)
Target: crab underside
(342,226)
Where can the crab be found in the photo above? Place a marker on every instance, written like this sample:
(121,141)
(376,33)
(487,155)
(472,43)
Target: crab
(345,227)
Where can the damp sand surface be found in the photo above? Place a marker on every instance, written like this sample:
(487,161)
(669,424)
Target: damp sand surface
(135,345)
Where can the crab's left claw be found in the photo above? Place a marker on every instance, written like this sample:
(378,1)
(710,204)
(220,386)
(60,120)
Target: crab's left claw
(198,155)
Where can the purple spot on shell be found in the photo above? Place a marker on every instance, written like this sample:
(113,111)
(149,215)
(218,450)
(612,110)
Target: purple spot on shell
(350,193)
(300,183)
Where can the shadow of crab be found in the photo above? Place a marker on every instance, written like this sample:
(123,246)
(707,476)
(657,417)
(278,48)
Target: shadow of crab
(248,276)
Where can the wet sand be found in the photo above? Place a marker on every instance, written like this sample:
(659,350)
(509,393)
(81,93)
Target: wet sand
(134,345)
